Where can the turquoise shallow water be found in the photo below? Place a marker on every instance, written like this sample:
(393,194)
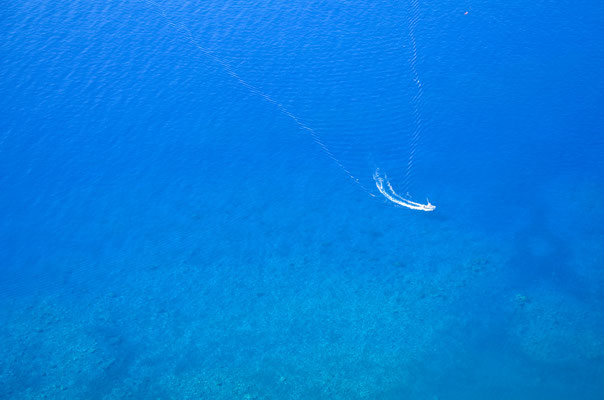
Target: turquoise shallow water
(169,231)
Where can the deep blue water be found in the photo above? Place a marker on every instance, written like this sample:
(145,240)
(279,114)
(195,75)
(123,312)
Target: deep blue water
(178,221)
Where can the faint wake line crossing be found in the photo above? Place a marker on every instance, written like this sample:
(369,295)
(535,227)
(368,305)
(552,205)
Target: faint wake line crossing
(417,98)
(229,70)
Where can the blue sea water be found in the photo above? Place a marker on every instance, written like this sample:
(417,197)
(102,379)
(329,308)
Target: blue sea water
(178,218)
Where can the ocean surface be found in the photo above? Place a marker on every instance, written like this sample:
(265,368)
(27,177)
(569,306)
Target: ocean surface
(188,207)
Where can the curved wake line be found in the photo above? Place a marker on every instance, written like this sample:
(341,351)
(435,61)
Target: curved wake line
(390,194)
(418,98)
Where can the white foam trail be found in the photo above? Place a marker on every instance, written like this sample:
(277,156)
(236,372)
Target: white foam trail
(394,197)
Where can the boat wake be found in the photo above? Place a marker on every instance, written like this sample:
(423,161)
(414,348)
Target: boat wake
(385,188)
(382,183)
